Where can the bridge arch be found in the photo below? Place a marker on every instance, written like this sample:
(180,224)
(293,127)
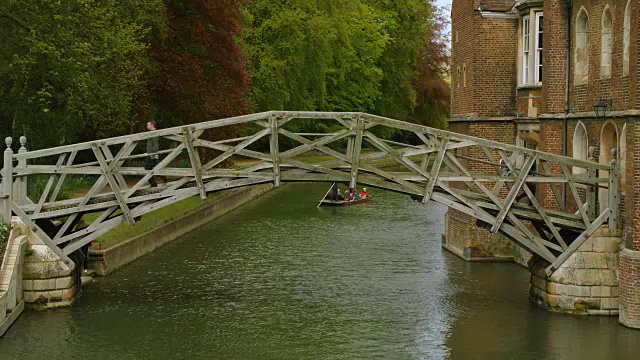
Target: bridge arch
(477,177)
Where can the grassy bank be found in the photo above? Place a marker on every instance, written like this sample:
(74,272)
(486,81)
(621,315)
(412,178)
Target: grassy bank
(151,221)
(80,186)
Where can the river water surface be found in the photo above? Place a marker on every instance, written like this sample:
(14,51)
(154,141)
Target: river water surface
(281,279)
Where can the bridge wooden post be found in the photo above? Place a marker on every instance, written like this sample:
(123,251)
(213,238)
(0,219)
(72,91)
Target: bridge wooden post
(437,164)
(7,182)
(274,147)
(194,158)
(614,191)
(355,151)
(592,190)
(20,185)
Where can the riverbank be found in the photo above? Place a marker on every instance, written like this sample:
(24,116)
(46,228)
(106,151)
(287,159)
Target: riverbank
(127,243)
(279,278)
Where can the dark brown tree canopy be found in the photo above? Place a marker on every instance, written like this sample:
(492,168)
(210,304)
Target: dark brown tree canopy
(200,71)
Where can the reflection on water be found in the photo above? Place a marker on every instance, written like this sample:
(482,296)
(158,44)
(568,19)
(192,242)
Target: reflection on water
(280,279)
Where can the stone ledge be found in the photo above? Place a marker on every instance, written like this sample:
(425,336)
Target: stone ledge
(50,298)
(104,261)
(465,255)
(45,269)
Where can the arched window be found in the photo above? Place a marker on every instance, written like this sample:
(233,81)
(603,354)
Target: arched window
(608,142)
(581,58)
(627,39)
(606,30)
(580,146)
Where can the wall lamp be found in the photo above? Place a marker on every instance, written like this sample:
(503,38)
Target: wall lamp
(602,107)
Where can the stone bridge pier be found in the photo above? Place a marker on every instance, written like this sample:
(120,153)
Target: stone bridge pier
(587,283)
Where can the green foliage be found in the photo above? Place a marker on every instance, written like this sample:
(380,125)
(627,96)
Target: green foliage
(79,70)
(5,228)
(355,55)
(313,54)
(71,70)
(73,183)
(406,23)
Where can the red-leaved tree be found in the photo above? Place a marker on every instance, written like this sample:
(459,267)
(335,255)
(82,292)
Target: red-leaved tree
(200,72)
(433,92)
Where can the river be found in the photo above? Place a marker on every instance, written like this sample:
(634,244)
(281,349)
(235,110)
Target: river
(281,279)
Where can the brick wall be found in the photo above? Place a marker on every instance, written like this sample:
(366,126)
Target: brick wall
(629,288)
(555,57)
(462,231)
(487,49)
(636,185)
(623,90)
(551,133)
(495,70)
(463,16)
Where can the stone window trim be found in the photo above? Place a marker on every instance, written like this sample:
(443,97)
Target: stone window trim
(529,87)
(580,146)
(581,48)
(609,139)
(609,128)
(606,44)
(627,40)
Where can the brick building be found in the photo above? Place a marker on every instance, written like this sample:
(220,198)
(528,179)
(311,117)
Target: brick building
(529,73)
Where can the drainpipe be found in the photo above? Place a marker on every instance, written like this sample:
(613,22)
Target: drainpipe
(568,4)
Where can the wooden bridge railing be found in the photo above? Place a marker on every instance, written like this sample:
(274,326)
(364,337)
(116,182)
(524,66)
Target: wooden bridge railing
(481,178)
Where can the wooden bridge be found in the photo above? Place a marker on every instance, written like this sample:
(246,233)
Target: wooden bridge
(512,190)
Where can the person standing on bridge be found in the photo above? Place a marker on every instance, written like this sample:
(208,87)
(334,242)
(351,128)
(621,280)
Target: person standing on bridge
(153,147)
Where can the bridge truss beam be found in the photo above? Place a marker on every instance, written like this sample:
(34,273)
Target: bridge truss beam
(459,171)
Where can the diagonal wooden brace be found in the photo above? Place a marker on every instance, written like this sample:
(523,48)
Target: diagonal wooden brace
(117,192)
(435,170)
(575,245)
(513,193)
(194,158)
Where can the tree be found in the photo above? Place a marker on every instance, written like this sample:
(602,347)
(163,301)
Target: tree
(431,82)
(406,23)
(313,54)
(70,70)
(200,71)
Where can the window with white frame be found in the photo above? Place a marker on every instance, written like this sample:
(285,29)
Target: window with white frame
(539,46)
(532,45)
(525,49)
